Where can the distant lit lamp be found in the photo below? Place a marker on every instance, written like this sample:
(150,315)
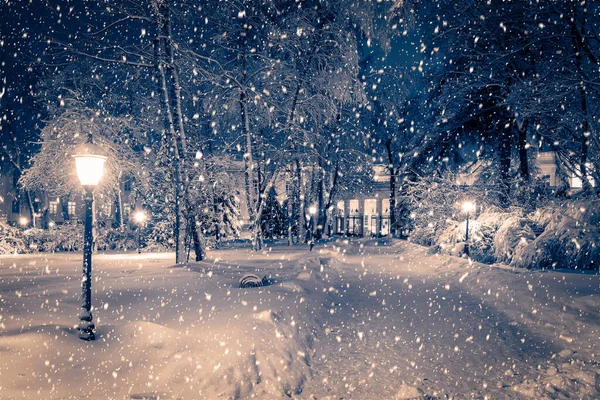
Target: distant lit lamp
(89,162)
(468,207)
(139,218)
(23,221)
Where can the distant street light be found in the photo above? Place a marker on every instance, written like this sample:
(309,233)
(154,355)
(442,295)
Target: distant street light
(89,162)
(140,218)
(468,207)
(23,221)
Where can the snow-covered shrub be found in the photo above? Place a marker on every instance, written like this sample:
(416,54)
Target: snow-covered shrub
(481,238)
(435,206)
(569,240)
(38,239)
(66,237)
(11,239)
(116,239)
(514,233)
(160,237)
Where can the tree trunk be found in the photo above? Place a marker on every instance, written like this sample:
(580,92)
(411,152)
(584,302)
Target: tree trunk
(504,151)
(118,207)
(257,234)
(248,158)
(332,190)
(578,44)
(31,208)
(523,159)
(320,205)
(64,207)
(301,203)
(174,126)
(197,239)
(392,172)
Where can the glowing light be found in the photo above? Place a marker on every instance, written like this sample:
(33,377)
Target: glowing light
(468,207)
(140,217)
(89,162)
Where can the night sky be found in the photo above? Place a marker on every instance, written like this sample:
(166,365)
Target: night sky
(25,26)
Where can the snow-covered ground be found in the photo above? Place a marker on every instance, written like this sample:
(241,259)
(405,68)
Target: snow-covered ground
(352,320)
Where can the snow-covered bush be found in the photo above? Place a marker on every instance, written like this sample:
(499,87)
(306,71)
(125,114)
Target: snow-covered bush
(481,239)
(435,206)
(569,240)
(160,237)
(11,239)
(116,239)
(66,237)
(514,233)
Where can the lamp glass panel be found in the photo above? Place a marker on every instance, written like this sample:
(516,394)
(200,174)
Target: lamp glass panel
(89,169)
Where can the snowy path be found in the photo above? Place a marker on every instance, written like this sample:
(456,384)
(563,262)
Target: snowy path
(404,325)
(348,320)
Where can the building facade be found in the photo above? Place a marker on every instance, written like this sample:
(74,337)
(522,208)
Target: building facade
(16,207)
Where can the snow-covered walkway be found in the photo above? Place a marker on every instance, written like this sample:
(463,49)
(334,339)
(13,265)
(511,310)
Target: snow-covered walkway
(406,324)
(352,320)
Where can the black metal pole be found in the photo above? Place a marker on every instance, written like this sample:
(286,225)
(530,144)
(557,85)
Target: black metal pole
(467,237)
(139,239)
(86,324)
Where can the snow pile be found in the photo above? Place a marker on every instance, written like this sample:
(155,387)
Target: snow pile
(11,239)
(570,239)
(163,332)
(556,236)
(511,237)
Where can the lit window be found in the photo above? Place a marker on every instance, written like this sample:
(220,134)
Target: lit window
(354,207)
(53,207)
(72,207)
(385,206)
(126,211)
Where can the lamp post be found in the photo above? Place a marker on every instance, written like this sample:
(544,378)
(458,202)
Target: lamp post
(89,162)
(140,219)
(468,207)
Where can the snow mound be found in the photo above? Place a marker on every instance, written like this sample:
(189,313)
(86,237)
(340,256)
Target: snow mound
(569,241)
(408,392)
(177,332)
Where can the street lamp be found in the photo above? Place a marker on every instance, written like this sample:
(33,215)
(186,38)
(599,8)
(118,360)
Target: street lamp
(468,207)
(89,163)
(23,221)
(140,218)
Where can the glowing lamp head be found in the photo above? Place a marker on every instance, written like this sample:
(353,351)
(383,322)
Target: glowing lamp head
(23,221)
(312,210)
(468,207)
(140,217)
(89,162)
